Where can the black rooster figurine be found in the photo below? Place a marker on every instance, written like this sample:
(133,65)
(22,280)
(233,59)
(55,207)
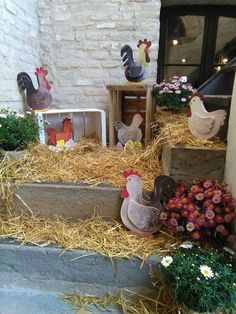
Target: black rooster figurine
(136,72)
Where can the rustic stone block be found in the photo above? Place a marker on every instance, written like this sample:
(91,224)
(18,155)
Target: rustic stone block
(75,201)
(184,162)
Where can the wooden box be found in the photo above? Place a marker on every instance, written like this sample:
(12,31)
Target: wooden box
(85,122)
(125,101)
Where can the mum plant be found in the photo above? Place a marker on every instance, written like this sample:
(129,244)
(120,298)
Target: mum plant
(17,131)
(174,94)
(206,209)
(201,280)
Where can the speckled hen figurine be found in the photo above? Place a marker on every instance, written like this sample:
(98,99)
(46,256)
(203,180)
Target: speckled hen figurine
(136,72)
(37,99)
(129,132)
(139,215)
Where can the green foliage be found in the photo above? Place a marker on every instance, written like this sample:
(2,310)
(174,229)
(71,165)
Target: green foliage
(197,291)
(173,95)
(17,131)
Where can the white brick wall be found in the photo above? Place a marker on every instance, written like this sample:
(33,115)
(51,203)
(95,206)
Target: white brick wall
(81,42)
(19,47)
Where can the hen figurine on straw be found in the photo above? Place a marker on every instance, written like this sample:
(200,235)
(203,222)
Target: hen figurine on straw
(139,215)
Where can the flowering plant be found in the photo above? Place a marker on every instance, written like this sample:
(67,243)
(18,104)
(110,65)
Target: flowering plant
(201,280)
(206,209)
(174,94)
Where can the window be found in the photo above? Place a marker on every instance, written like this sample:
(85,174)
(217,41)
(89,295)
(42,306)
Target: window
(195,41)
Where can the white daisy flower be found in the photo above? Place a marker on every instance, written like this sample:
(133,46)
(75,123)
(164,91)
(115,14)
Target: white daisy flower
(186,245)
(166,261)
(206,271)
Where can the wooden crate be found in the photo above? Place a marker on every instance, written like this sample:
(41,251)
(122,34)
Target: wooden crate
(85,122)
(125,101)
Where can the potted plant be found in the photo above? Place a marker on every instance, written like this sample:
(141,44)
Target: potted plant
(202,280)
(173,94)
(17,131)
(206,209)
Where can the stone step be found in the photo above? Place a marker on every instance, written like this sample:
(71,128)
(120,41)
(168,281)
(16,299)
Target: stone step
(47,272)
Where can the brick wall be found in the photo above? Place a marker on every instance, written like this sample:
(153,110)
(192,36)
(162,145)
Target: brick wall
(19,47)
(81,41)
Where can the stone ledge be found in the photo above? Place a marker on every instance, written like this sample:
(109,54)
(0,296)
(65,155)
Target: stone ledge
(48,268)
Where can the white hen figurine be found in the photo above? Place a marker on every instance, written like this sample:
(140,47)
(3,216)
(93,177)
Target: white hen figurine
(131,132)
(203,124)
(136,215)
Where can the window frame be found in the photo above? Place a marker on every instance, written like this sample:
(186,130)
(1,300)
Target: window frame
(212,14)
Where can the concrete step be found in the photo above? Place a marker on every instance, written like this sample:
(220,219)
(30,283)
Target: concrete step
(33,275)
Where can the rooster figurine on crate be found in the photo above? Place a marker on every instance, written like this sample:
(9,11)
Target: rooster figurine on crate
(139,215)
(37,99)
(136,72)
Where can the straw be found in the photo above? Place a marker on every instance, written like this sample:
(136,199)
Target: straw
(94,235)
(173,127)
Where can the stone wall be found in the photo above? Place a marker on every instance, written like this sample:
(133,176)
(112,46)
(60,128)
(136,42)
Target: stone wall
(19,47)
(80,43)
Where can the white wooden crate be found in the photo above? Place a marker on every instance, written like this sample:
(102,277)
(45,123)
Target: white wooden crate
(85,122)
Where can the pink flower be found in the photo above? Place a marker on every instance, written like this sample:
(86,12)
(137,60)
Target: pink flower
(216,199)
(199,196)
(220,228)
(190,226)
(217,192)
(219,219)
(196,235)
(210,214)
(229,217)
(163,216)
(184,86)
(184,213)
(208,183)
(180,228)
(173,222)
(218,209)
(208,192)
(178,91)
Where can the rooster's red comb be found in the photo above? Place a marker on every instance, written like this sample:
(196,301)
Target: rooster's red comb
(41,70)
(197,94)
(128,173)
(147,43)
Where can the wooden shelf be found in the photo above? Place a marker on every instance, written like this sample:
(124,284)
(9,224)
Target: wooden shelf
(124,102)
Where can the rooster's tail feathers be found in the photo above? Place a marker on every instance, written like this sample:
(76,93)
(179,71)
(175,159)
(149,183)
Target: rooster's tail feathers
(164,188)
(127,55)
(24,82)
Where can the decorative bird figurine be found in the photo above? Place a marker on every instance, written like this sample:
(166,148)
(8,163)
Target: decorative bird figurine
(38,99)
(136,72)
(201,123)
(139,215)
(131,132)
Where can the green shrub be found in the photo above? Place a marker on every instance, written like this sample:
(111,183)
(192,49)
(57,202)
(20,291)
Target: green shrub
(17,131)
(202,280)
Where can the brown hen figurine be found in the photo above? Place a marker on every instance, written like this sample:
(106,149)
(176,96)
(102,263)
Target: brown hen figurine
(37,99)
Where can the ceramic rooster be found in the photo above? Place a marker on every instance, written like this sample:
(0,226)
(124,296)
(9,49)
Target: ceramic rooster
(204,124)
(57,136)
(131,132)
(38,99)
(136,72)
(139,215)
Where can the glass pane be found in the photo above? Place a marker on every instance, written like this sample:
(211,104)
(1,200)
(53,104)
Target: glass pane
(226,40)
(192,73)
(184,39)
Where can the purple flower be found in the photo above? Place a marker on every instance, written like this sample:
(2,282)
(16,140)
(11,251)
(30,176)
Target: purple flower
(190,226)
(210,214)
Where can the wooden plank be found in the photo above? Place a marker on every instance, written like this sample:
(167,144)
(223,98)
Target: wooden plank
(127,87)
(149,113)
(111,119)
